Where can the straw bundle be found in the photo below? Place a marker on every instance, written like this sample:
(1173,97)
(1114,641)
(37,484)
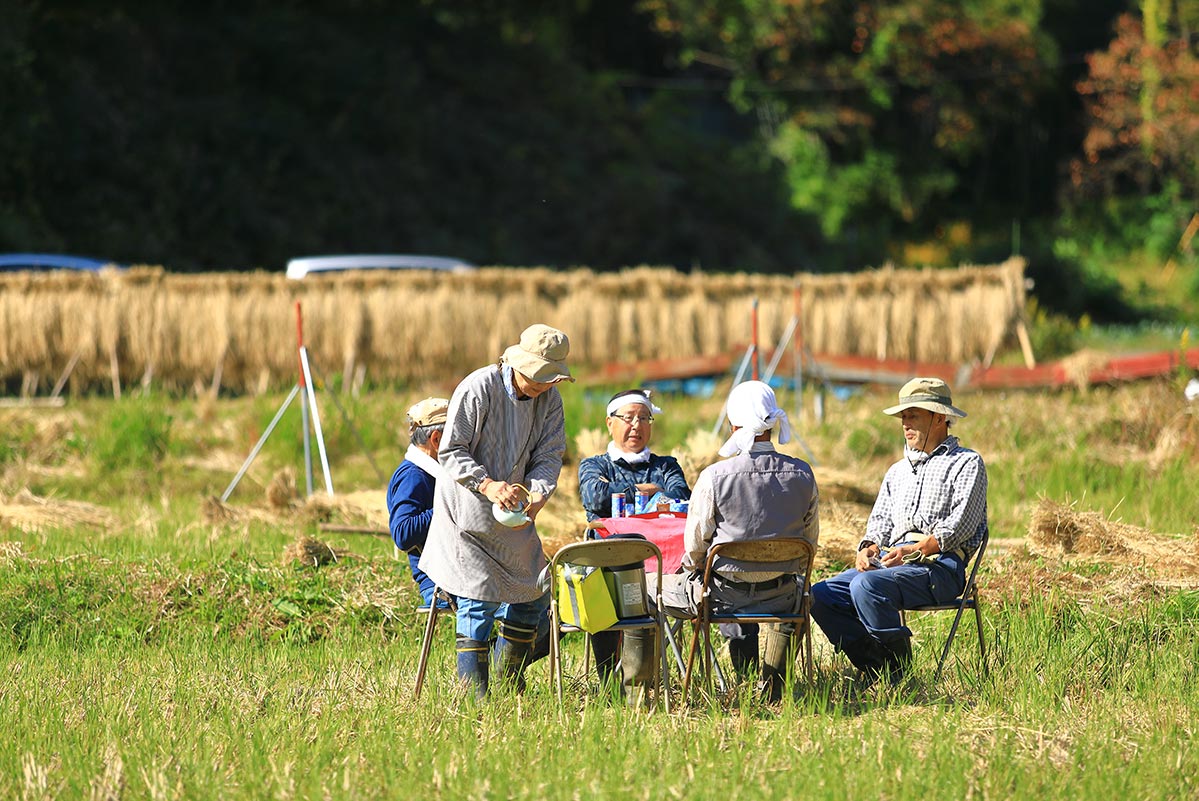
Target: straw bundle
(311,551)
(1061,527)
(366,508)
(238,330)
(31,513)
(281,492)
(1179,436)
(1079,366)
(591,441)
(1062,530)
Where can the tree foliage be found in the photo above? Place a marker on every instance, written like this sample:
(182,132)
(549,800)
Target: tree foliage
(729,134)
(879,109)
(240,136)
(1142,100)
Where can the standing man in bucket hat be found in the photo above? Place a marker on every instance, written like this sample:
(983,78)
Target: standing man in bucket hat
(503,444)
(928,520)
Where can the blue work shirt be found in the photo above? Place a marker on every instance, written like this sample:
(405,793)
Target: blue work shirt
(600,478)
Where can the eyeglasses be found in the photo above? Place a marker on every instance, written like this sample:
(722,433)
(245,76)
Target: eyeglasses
(629,419)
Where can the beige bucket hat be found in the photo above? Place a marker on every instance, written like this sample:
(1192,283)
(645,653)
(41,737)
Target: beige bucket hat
(428,412)
(541,355)
(926,393)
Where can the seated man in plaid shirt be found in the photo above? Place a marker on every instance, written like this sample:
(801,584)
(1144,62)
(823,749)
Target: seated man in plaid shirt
(929,519)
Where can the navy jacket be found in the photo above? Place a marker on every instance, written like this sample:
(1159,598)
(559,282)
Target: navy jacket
(410,504)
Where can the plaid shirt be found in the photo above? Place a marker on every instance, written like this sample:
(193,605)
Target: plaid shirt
(944,495)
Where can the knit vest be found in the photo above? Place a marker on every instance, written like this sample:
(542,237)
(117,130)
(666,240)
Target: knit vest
(761,496)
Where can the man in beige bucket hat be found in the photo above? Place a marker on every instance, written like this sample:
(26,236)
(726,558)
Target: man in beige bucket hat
(503,444)
(928,520)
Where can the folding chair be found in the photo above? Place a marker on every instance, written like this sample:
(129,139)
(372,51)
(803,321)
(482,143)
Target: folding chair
(609,553)
(780,550)
(967,600)
(435,610)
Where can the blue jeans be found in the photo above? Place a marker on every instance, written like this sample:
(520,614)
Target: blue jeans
(477,618)
(857,604)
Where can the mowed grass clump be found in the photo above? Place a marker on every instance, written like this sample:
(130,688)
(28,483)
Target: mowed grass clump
(87,601)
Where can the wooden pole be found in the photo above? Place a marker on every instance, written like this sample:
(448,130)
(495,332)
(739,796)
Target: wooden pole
(797,351)
(1030,361)
(115,367)
(754,327)
(1183,243)
(66,373)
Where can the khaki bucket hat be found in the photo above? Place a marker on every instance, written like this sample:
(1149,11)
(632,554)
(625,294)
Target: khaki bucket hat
(932,394)
(540,355)
(428,412)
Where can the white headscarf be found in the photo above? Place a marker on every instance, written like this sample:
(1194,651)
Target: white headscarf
(632,396)
(753,409)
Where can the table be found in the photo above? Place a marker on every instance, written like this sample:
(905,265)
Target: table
(664,529)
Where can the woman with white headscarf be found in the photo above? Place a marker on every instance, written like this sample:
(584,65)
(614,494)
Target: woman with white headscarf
(756,493)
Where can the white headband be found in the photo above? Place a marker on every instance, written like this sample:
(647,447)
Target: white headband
(632,397)
(753,409)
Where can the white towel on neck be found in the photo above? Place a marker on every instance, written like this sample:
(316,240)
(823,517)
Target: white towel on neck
(639,457)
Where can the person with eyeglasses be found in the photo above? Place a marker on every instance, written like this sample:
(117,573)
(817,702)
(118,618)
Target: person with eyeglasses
(628,467)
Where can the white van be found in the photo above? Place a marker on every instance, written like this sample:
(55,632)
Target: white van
(298,268)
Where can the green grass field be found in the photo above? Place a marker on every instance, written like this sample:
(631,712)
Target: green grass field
(155,650)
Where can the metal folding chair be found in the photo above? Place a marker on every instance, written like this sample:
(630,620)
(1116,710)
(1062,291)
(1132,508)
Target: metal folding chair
(609,553)
(435,610)
(780,550)
(967,600)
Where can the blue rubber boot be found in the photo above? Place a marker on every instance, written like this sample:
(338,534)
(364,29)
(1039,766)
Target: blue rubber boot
(473,660)
(514,650)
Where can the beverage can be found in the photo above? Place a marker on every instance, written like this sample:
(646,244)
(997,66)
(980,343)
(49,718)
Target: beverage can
(642,503)
(618,505)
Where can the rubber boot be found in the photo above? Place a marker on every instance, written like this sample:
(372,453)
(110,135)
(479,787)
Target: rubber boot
(541,646)
(779,656)
(514,649)
(473,664)
(867,655)
(743,647)
(897,659)
(638,659)
(605,648)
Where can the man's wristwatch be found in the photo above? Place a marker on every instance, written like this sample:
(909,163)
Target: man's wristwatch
(476,484)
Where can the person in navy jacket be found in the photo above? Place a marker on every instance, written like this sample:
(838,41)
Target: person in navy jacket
(628,467)
(410,492)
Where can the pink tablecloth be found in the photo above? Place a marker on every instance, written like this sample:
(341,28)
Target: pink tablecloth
(664,529)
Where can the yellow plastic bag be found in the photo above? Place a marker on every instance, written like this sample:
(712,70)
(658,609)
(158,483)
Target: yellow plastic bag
(584,599)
